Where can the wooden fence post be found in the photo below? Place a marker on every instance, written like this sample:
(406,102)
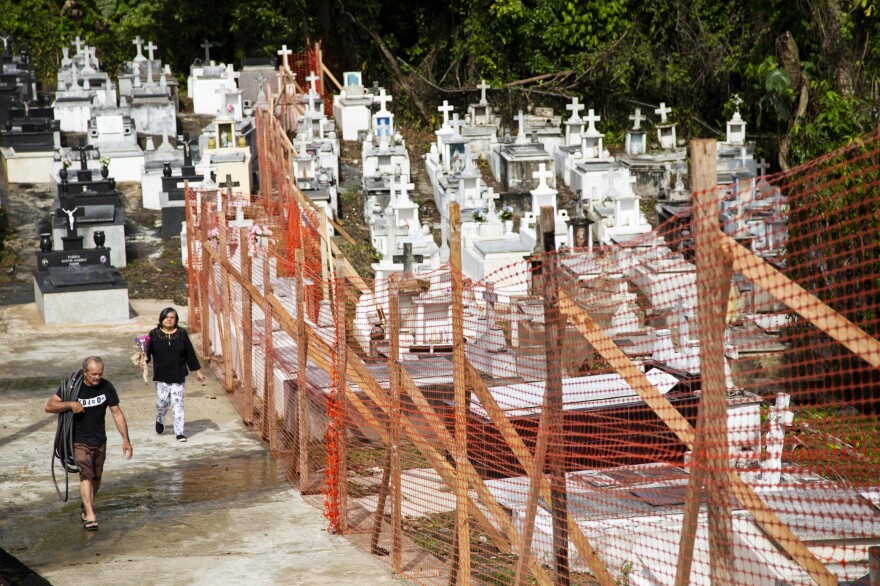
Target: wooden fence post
(394,447)
(247,327)
(341,359)
(204,300)
(302,353)
(462,524)
(709,462)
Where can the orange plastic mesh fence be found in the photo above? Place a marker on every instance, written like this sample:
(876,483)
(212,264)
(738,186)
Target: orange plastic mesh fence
(698,404)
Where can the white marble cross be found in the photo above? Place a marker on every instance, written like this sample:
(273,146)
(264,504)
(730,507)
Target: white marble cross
(663,111)
(138,41)
(743,157)
(575,109)
(446,108)
(150,48)
(285,53)
(637,118)
(403,190)
(456,124)
(87,64)
(79,45)
(591,119)
(382,99)
(313,85)
(482,86)
(542,175)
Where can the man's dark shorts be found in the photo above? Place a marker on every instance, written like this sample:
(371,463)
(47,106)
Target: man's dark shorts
(90,460)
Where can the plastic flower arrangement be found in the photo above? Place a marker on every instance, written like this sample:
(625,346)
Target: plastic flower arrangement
(478,216)
(65,162)
(260,236)
(105,161)
(506,213)
(139,358)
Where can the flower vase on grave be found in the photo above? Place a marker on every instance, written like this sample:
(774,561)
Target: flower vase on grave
(99,238)
(508,226)
(104,171)
(63,173)
(166,169)
(45,242)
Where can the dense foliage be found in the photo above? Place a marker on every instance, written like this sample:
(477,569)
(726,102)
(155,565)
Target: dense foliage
(806,70)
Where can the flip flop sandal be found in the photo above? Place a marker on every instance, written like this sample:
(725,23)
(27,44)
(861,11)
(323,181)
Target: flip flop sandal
(90,525)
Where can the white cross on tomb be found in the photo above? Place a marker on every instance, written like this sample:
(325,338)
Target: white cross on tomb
(542,175)
(446,108)
(482,86)
(285,53)
(591,119)
(575,109)
(382,99)
(313,79)
(663,111)
(150,48)
(637,118)
(79,44)
(138,41)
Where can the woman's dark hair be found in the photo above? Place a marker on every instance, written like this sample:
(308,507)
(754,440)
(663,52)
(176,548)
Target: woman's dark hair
(164,313)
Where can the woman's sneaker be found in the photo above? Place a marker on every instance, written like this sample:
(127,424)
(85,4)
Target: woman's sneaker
(181,438)
(160,427)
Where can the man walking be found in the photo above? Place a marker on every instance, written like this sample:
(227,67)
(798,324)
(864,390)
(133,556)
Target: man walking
(89,436)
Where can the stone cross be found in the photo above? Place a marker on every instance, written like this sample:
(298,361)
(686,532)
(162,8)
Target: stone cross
(313,82)
(95,63)
(150,48)
(637,118)
(87,67)
(521,134)
(762,166)
(136,70)
(207,47)
(239,203)
(382,99)
(737,101)
(575,109)
(446,108)
(79,44)
(663,111)
(591,119)
(404,189)
(483,86)
(407,258)
(150,69)
(285,53)
(138,41)
(743,157)
(228,185)
(491,298)
(542,175)
(456,124)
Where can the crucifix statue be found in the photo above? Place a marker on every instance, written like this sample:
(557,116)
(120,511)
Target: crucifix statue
(69,208)
(83,155)
(186,141)
(407,258)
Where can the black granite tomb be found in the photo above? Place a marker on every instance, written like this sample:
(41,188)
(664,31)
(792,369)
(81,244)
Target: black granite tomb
(173,200)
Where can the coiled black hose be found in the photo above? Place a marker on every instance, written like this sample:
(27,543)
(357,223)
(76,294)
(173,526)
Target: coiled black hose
(63,448)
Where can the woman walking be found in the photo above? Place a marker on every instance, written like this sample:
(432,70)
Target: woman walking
(173,356)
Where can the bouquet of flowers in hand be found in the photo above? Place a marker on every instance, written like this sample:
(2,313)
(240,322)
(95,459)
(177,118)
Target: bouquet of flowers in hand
(139,358)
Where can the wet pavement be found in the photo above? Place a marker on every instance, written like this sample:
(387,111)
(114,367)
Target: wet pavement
(213,510)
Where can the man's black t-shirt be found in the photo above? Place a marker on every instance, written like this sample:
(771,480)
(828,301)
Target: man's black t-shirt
(88,426)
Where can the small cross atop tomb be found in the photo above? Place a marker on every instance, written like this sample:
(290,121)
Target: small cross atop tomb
(150,47)
(79,45)
(663,111)
(284,52)
(762,166)
(83,151)
(207,47)
(575,109)
(521,133)
(382,99)
(407,258)
(313,82)
(591,120)
(542,175)
(482,86)
(637,119)
(228,185)
(185,140)
(446,108)
(87,64)
(491,298)
(239,204)
(456,124)
(138,42)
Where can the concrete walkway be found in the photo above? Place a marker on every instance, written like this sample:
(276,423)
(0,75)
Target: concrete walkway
(214,510)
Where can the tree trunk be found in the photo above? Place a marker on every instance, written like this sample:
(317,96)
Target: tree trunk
(789,59)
